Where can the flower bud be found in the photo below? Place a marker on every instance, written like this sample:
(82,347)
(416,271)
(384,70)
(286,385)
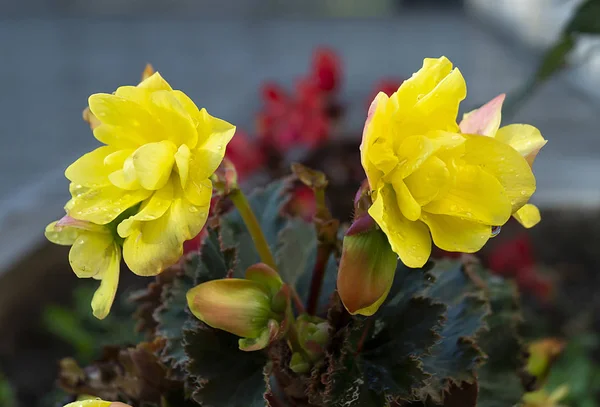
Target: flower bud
(254,308)
(542,354)
(313,336)
(367,267)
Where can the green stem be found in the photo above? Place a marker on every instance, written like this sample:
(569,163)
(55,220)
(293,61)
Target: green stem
(243,206)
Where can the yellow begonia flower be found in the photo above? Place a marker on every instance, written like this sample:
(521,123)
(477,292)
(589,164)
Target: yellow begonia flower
(94,253)
(160,151)
(428,179)
(526,139)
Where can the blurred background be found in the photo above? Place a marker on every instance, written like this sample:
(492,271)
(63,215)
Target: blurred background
(55,53)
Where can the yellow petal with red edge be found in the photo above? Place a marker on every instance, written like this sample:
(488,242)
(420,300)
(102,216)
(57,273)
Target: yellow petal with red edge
(429,180)
(485,120)
(455,234)
(151,209)
(238,306)
(179,126)
(409,207)
(505,164)
(89,169)
(63,236)
(91,253)
(526,139)
(119,137)
(376,148)
(155,245)
(475,195)
(409,240)
(153,163)
(105,294)
(213,140)
(90,403)
(182,161)
(528,216)
(127,114)
(102,205)
(155,82)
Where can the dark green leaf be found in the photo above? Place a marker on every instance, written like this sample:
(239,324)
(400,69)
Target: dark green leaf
(586,19)
(296,249)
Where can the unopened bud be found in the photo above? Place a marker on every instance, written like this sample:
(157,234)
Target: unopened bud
(367,267)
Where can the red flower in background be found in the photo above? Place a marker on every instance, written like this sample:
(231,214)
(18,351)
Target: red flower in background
(515,259)
(302,203)
(326,70)
(246,154)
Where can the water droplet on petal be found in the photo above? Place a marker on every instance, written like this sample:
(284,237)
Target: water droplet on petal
(496,231)
(193,209)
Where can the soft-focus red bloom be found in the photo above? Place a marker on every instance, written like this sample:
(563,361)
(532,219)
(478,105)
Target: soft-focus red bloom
(515,259)
(246,154)
(302,203)
(326,69)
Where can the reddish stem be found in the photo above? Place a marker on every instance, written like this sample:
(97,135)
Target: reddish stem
(363,337)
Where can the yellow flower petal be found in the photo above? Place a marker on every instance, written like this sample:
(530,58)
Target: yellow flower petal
(102,205)
(155,245)
(178,124)
(182,161)
(505,164)
(213,140)
(105,294)
(376,149)
(119,137)
(61,236)
(412,152)
(526,139)
(138,95)
(153,163)
(90,168)
(155,82)
(189,106)
(91,253)
(476,195)
(528,216)
(409,240)
(429,180)
(89,403)
(455,234)
(122,180)
(124,113)
(151,209)
(485,120)
(199,192)
(409,207)
(117,159)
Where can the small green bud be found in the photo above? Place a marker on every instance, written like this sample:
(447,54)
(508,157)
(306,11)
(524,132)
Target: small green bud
(367,267)
(299,364)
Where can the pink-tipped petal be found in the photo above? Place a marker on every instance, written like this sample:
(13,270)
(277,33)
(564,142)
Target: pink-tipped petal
(485,120)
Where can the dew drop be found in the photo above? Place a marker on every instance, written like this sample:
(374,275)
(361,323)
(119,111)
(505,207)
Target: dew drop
(496,231)
(193,209)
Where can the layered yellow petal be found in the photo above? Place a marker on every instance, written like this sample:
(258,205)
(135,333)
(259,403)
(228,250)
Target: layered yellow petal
(476,195)
(409,240)
(213,136)
(376,152)
(182,161)
(91,253)
(61,236)
(455,234)
(151,209)
(155,245)
(198,192)
(90,169)
(105,294)
(189,106)
(528,216)
(119,137)
(411,153)
(124,113)
(153,163)
(409,207)
(102,205)
(526,139)
(181,129)
(429,180)
(155,82)
(485,120)
(505,164)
